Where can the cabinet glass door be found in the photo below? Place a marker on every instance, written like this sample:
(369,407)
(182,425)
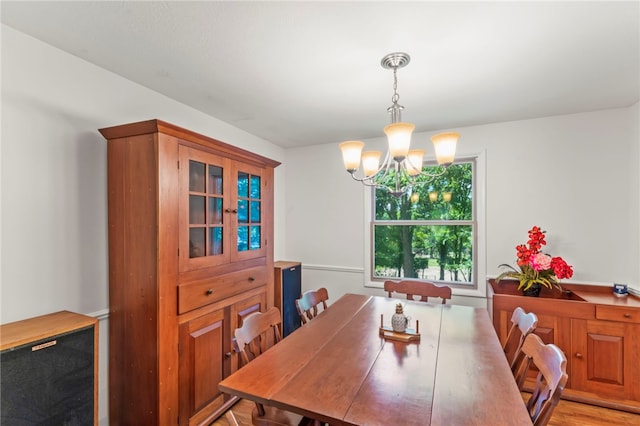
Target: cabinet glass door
(203,212)
(205,209)
(249,202)
(249,229)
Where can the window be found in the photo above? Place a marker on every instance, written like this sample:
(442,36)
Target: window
(430,233)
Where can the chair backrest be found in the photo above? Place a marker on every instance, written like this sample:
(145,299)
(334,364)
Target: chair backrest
(308,304)
(251,339)
(552,377)
(521,325)
(423,289)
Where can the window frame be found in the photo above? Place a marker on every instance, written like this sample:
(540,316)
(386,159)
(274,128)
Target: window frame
(477,287)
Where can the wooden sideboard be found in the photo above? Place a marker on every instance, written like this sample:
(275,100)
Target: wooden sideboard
(598,332)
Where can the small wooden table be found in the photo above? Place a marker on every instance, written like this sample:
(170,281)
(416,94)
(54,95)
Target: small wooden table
(338,369)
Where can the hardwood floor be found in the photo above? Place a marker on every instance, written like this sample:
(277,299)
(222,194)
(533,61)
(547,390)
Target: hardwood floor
(242,411)
(567,413)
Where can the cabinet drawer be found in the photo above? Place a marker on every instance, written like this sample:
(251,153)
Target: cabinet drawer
(200,293)
(618,313)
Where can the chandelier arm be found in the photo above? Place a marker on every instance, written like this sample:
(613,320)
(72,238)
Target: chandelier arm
(434,175)
(366,180)
(386,163)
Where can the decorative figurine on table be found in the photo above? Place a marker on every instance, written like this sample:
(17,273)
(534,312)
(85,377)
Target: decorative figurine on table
(399,320)
(399,327)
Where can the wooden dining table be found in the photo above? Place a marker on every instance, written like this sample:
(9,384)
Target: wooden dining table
(340,370)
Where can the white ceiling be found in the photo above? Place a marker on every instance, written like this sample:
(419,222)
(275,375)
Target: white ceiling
(303,73)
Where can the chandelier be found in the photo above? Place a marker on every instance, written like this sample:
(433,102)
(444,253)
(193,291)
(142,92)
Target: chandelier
(405,163)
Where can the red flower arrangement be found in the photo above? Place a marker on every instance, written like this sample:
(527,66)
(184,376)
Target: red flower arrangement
(536,268)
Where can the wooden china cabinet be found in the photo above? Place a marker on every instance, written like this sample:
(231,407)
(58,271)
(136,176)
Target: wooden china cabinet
(190,255)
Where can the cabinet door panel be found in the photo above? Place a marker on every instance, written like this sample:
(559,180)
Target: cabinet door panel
(202,365)
(599,353)
(605,363)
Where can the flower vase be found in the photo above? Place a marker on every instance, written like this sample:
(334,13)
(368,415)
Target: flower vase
(533,291)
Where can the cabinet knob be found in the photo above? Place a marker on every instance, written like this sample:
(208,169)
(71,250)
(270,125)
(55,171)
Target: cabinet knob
(209,292)
(578,355)
(227,355)
(252,279)
(627,315)
(234,211)
(227,210)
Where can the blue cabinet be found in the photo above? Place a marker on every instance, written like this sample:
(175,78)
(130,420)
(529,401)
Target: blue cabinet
(288,285)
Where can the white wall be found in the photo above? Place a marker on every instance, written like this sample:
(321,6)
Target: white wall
(53,179)
(634,160)
(575,176)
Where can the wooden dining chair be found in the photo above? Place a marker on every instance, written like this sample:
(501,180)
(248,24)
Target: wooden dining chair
(550,381)
(522,324)
(423,289)
(250,341)
(308,304)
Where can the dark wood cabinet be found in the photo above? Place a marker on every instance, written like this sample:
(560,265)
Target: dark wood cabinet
(49,370)
(287,287)
(190,253)
(598,332)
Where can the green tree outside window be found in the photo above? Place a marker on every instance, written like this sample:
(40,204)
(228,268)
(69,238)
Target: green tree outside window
(428,233)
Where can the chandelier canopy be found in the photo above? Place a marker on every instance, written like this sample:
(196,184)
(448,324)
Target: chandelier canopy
(401,162)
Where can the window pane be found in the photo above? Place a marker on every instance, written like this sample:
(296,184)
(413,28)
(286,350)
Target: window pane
(215,211)
(429,252)
(196,242)
(255,186)
(255,212)
(255,238)
(243,238)
(196,176)
(243,184)
(215,241)
(215,180)
(243,213)
(447,197)
(196,210)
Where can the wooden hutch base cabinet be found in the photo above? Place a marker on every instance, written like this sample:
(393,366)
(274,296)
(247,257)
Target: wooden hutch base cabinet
(190,255)
(598,332)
